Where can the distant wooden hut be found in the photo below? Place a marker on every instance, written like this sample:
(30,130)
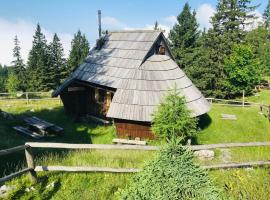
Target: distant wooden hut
(124,78)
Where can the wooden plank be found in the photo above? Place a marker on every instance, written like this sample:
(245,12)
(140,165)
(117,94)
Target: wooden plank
(27,132)
(237,165)
(229,145)
(12,150)
(124,141)
(85,169)
(14,175)
(140,147)
(92,146)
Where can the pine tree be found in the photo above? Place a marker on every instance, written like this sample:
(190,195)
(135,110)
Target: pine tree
(18,65)
(229,28)
(38,62)
(266,16)
(57,63)
(183,36)
(156,26)
(79,50)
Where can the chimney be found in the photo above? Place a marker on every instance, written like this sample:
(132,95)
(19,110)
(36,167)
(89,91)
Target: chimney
(99,23)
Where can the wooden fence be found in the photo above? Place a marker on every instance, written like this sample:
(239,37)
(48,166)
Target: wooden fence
(28,96)
(32,169)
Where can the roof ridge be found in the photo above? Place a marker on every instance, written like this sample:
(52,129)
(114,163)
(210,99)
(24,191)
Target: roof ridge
(135,31)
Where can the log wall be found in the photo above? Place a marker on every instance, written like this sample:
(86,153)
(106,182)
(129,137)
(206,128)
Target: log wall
(133,129)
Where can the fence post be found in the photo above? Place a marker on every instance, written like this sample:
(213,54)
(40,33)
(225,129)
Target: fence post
(243,99)
(27,97)
(269,113)
(30,163)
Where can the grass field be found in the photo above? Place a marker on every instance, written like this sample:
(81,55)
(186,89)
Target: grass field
(236,184)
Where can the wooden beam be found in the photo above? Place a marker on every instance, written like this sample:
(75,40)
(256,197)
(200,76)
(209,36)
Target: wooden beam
(237,165)
(133,170)
(229,145)
(140,147)
(14,175)
(85,169)
(125,141)
(75,89)
(12,150)
(30,163)
(92,146)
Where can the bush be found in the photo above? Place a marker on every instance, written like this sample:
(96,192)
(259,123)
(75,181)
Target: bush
(173,120)
(13,83)
(242,71)
(172,175)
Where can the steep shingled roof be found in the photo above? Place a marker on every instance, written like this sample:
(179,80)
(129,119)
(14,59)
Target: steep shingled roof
(121,51)
(138,96)
(125,63)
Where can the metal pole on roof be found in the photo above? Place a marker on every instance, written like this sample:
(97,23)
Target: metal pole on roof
(99,23)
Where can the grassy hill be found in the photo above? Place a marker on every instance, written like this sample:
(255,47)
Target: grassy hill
(236,184)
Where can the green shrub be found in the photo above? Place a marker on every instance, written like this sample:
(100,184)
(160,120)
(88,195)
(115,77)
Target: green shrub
(173,120)
(172,175)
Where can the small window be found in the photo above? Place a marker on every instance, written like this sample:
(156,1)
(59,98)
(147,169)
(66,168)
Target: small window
(100,95)
(161,50)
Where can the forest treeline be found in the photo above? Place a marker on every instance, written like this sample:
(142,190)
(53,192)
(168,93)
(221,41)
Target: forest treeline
(231,56)
(46,67)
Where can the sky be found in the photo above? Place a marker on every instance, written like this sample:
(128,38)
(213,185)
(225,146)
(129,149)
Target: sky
(65,17)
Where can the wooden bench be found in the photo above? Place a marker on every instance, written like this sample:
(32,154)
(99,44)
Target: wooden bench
(125,141)
(43,126)
(27,132)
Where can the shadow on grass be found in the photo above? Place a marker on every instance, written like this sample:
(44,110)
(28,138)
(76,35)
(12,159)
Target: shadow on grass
(74,132)
(204,121)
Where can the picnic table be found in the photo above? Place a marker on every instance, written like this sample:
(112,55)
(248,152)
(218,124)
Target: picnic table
(38,128)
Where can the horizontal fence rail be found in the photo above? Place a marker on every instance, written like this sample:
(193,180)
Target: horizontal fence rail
(32,169)
(85,169)
(138,147)
(12,150)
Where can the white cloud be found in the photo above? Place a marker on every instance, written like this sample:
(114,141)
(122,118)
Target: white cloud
(25,31)
(256,22)
(170,20)
(112,22)
(204,14)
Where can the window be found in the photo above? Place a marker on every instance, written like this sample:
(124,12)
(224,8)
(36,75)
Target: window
(161,50)
(100,95)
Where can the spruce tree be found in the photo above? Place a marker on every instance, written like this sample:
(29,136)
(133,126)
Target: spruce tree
(79,51)
(38,63)
(229,28)
(156,26)
(266,16)
(57,63)
(183,37)
(18,65)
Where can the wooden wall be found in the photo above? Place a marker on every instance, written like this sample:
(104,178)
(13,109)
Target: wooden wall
(133,129)
(84,99)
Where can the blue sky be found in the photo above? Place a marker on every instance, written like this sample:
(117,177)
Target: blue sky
(67,16)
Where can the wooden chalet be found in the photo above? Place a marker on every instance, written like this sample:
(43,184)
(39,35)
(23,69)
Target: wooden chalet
(124,78)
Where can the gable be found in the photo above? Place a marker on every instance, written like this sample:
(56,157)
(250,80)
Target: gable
(121,52)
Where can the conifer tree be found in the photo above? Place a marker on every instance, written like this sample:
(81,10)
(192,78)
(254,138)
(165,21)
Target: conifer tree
(156,26)
(79,50)
(57,63)
(266,16)
(229,28)
(18,65)
(38,62)
(183,36)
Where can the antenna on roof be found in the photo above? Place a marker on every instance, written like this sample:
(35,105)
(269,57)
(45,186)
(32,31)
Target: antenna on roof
(99,23)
